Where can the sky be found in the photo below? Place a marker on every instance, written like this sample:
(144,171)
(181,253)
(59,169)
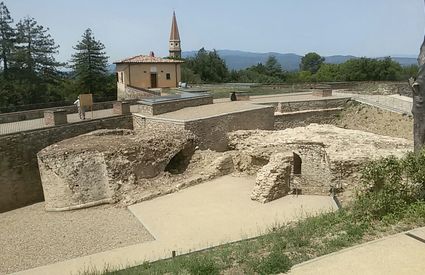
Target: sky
(371,28)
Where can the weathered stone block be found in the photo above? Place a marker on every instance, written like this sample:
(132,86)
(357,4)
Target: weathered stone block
(55,117)
(322,92)
(121,108)
(273,179)
(242,96)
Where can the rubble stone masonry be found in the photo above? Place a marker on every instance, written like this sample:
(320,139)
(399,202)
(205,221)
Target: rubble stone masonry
(20,183)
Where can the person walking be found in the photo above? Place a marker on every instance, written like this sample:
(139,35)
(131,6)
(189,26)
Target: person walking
(81,110)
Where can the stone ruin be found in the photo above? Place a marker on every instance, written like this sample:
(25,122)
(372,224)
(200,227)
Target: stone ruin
(317,159)
(120,166)
(123,167)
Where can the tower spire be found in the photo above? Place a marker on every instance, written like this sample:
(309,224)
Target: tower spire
(175,45)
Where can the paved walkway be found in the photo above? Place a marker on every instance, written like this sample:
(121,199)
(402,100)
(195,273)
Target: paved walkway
(393,103)
(196,218)
(32,124)
(399,254)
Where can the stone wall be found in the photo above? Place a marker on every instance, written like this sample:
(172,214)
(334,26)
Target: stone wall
(20,183)
(296,106)
(134,93)
(316,175)
(158,108)
(304,118)
(147,125)
(39,113)
(211,131)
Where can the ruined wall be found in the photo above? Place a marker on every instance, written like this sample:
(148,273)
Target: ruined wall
(316,175)
(171,106)
(304,118)
(20,183)
(212,131)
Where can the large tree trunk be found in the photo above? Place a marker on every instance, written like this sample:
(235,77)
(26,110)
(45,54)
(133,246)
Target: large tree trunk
(418,109)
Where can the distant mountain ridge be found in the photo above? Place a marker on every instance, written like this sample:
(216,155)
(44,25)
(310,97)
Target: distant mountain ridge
(237,60)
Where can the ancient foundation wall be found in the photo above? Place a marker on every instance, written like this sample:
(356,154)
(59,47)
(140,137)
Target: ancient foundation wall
(20,183)
(173,105)
(315,175)
(212,131)
(304,118)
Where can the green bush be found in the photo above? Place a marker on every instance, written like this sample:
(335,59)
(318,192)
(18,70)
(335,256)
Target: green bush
(201,265)
(389,185)
(274,263)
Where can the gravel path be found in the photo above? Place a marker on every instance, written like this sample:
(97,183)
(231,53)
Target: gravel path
(31,237)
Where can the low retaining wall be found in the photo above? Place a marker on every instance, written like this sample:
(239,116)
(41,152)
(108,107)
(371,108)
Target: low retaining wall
(304,118)
(39,113)
(319,104)
(161,107)
(20,183)
(133,93)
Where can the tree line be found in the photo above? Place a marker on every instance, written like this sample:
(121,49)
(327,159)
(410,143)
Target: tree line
(208,67)
(30,72)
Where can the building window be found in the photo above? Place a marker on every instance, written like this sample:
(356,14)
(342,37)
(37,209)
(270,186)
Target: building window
(168,76)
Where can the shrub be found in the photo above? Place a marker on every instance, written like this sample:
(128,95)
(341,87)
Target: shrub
(389,184)
(200,265)
(274,263)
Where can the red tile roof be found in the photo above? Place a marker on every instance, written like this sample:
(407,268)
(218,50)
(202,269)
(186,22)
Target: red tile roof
(148,59)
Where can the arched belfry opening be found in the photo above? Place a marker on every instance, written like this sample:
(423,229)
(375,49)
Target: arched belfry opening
(297,164)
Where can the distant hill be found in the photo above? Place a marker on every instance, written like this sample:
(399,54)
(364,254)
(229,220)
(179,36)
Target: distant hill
(240,60)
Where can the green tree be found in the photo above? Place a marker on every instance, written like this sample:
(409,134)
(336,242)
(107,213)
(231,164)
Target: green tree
(208,66)
(90,65)
(7,38)
(328,72)
(273,67)
(311,62)
(34,64)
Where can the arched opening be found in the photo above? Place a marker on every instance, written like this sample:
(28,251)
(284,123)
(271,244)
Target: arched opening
(179,163)
(297,164)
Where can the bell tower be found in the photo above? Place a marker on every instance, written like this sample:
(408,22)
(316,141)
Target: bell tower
(175,44)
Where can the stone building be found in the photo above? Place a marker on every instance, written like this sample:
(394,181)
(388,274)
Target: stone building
(137,74)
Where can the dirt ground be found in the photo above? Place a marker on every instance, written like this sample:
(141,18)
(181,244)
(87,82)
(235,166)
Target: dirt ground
(31,237)
(374,120)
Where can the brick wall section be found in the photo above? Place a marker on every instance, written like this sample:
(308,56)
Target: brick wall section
(304,118)
(20,183)
(171,106)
